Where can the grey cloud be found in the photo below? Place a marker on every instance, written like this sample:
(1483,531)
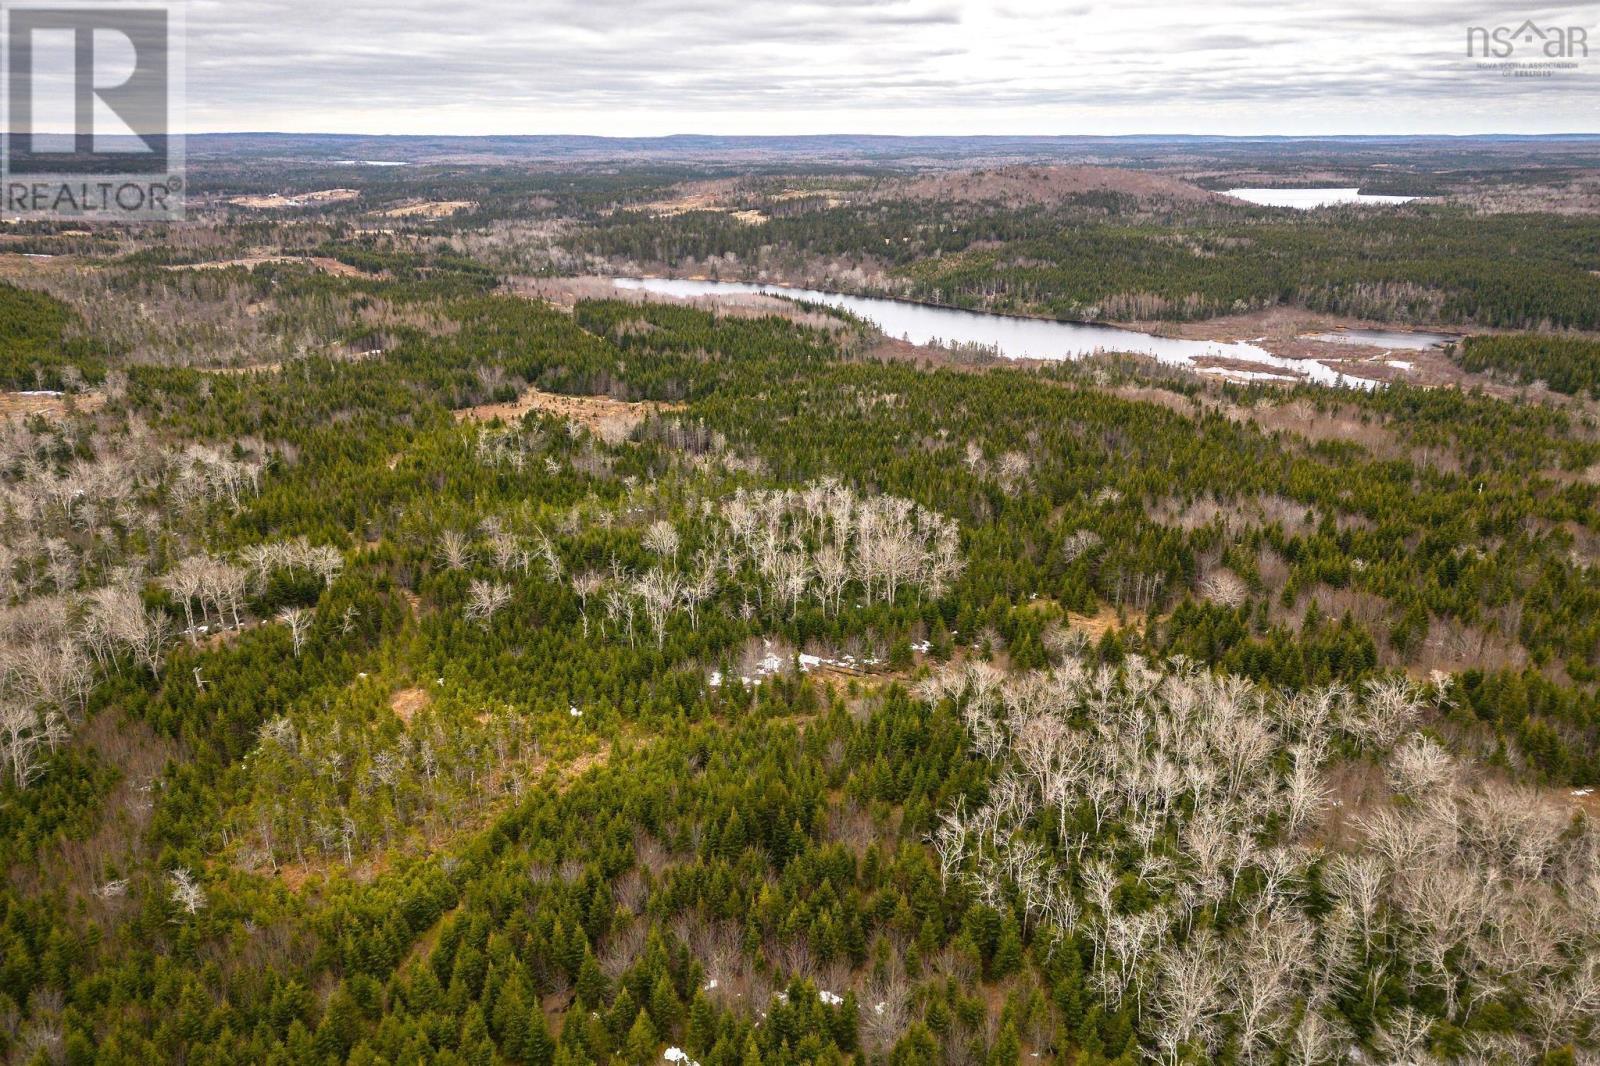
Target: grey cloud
(293,62)
(1230,42)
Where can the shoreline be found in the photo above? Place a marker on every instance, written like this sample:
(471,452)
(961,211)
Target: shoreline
(1165,328)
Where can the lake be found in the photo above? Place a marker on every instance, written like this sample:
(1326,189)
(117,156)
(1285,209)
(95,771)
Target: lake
(1386,338)
(1014,337)
(1306,199)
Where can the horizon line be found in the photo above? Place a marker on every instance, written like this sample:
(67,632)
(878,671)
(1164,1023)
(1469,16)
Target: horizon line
(908,136)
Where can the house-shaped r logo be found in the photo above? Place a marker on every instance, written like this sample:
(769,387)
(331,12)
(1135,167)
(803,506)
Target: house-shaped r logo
(87,89)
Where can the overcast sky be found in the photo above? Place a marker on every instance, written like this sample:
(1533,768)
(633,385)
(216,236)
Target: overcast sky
(651,67)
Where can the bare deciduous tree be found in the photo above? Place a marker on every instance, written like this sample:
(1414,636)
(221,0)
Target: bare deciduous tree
(661,540)
(299,621)
(484,601)
(455,549)
(186,892)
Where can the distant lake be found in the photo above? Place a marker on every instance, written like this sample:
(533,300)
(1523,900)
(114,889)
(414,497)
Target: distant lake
(1018,338)
(1306,199)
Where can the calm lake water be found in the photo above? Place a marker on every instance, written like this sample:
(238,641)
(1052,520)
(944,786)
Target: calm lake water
(1306,199)
(1386,338)
(1016,338)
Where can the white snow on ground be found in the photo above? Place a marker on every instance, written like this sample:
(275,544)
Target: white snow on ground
(830,999)
(771,663)
(1244,375)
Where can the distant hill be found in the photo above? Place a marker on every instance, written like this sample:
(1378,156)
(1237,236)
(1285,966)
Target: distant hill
(849,149)
(1021,186)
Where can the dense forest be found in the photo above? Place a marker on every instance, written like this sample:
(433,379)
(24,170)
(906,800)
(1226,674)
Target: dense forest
(34,351)
(399,668)
(1569,365)
(1109,256)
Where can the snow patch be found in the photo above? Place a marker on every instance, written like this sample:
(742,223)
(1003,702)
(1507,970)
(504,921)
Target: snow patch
(771,663)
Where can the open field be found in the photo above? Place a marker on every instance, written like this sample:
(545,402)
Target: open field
(613,420)
(321,262)
(48,404)
(279,202)
(429,209)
